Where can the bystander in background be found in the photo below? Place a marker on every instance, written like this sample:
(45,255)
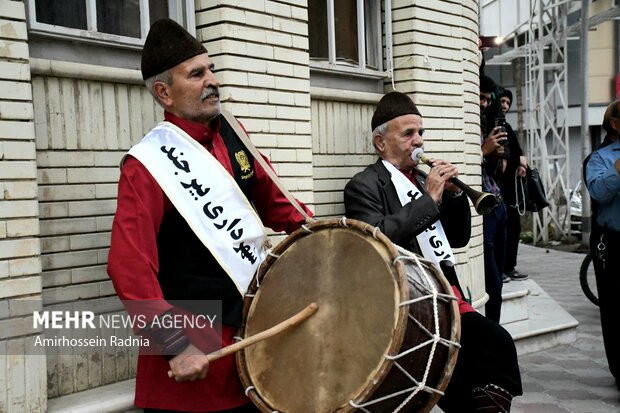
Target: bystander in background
(514,165)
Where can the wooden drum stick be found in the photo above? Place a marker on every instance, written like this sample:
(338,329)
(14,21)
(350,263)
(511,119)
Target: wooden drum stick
(277,329)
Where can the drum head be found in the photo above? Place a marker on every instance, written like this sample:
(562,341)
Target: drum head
(332,357)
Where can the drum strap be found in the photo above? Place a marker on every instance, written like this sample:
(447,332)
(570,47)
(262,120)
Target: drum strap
(433,241)
(234,123)
(207,197)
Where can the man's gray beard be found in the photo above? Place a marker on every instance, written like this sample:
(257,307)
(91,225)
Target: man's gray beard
(218,108)
(217,112)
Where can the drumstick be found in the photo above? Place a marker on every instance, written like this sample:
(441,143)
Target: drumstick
(270,332)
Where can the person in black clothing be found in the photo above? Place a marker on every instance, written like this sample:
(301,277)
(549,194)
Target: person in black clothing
(493,140)
(514,165)
(404,202)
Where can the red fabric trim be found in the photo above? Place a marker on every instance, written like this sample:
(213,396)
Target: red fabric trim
(464,306)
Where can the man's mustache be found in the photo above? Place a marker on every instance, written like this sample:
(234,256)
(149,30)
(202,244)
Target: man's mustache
(210,91)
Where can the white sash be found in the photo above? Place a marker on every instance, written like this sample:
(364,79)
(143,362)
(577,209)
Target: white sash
(433,242)
(208,197)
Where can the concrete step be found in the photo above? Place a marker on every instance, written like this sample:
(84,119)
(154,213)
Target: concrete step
(112,398)
(514,302)
(547,324)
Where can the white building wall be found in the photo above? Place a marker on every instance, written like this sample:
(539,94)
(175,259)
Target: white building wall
(260,50)
(22,377)
(342,145)
(86,118)
(436,61)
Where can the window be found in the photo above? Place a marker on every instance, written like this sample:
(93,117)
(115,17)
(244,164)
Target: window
(345,35)
(123,22)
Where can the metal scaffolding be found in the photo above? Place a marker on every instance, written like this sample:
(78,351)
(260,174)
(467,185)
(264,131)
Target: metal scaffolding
(546,98)
(544,46)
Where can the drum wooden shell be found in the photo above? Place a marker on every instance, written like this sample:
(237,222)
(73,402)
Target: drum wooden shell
(340,357)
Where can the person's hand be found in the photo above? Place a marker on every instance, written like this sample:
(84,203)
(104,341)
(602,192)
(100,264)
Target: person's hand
(438,179)
(494,143)
(522,168)
(189,365)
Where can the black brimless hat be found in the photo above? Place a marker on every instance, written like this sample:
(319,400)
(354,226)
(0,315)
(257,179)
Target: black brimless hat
(393,105)
(167,45)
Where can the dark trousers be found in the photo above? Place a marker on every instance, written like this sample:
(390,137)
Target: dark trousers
(487,356)
(608,285)
(513,232)
(248,408)
(494,232)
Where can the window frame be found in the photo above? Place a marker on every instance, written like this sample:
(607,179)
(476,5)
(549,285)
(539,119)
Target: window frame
(331,65)
(179,10)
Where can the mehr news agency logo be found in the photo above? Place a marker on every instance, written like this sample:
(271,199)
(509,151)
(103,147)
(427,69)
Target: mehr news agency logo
(57,322)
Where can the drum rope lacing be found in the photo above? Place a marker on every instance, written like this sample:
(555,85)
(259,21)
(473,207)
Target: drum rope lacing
(435,338)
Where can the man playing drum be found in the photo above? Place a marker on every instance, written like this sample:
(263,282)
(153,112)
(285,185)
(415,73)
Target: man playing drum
(427,214)
(184,212)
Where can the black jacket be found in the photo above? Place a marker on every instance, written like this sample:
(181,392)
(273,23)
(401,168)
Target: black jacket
(371,197)
(507,179)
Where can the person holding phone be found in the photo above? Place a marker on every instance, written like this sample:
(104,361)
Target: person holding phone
(514,166)
(493,223)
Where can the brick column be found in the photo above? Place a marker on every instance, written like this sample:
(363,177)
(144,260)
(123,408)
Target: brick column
(260,49)
(435,45)
(22,377)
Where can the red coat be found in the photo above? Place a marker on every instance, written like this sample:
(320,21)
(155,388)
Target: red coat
(133,268)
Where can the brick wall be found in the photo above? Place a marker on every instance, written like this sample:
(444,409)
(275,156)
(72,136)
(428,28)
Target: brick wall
(435,46)
(83,127)
(260,52)
(342,146)
(22,378)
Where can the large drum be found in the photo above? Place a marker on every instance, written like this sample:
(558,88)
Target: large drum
(385,336)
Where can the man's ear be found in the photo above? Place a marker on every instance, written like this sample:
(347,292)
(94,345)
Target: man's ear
(378,142)
(160,90)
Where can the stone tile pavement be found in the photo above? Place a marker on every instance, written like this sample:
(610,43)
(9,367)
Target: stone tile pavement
(570,378)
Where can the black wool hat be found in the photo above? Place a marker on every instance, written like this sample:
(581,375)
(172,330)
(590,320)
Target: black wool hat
(507,93)
(393,105)
(167,45)
(487,85)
